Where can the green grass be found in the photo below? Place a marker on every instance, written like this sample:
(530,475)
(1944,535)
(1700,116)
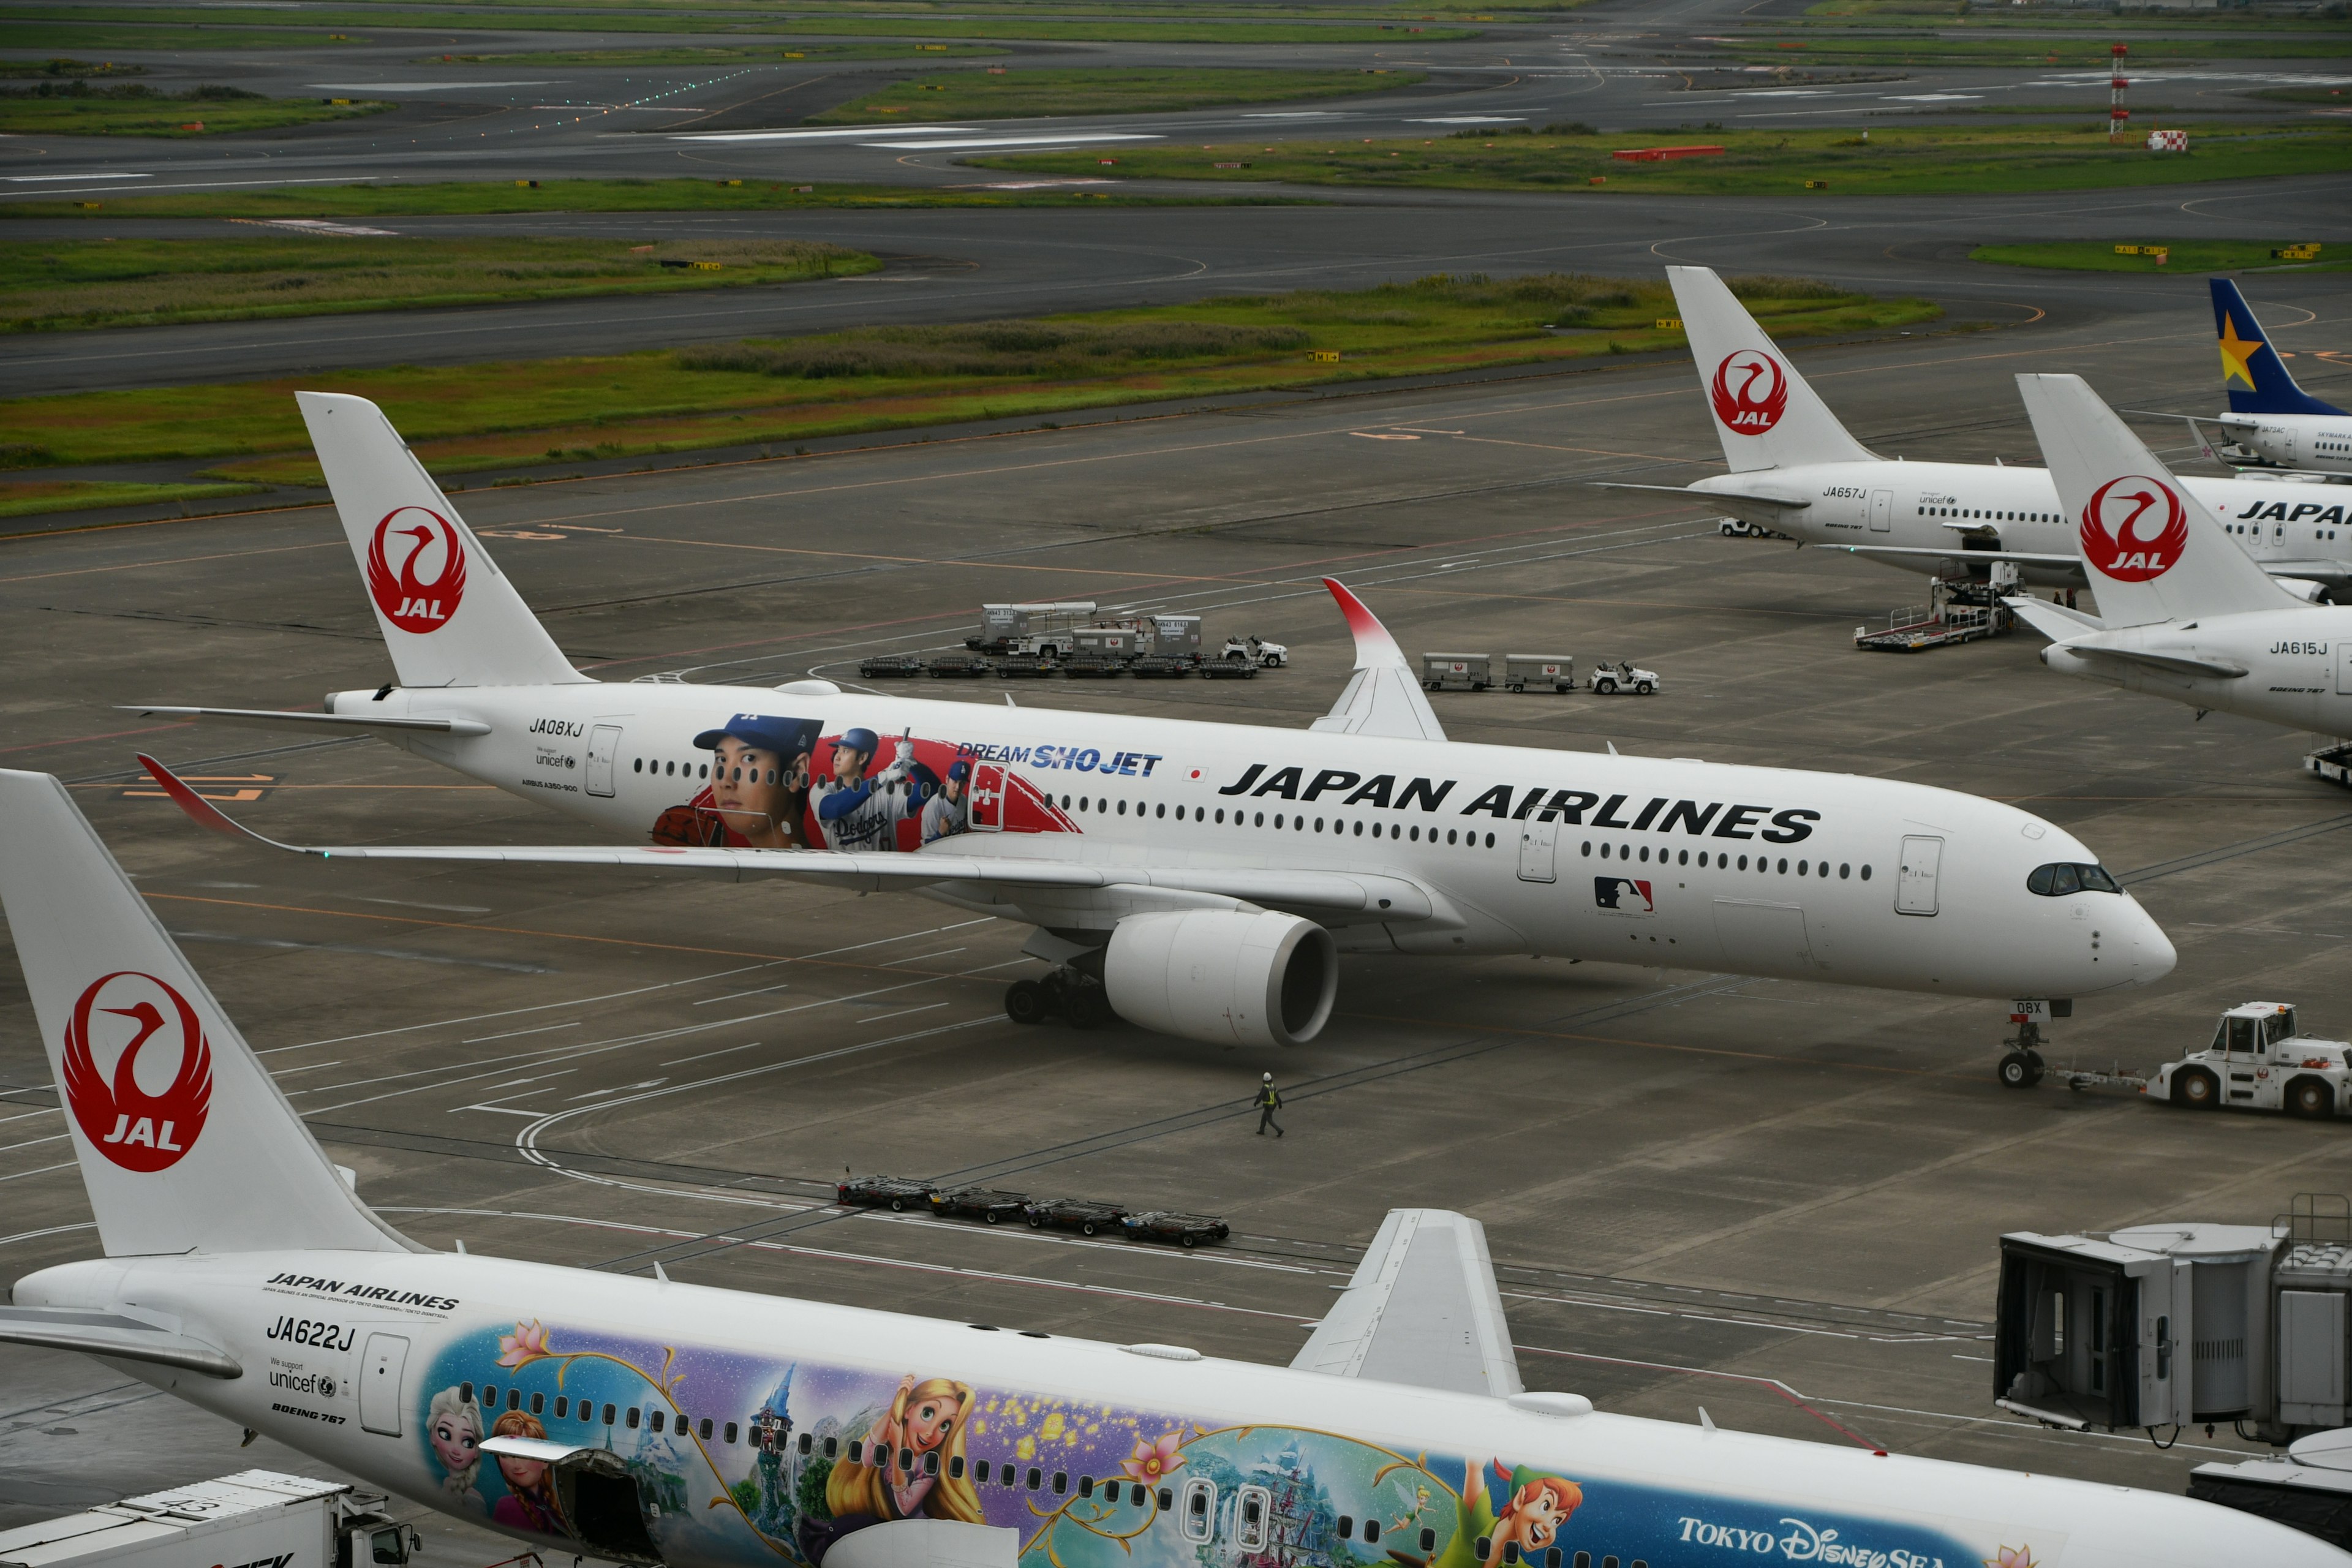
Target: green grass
(351,202)
(1932,49)
(1131,32)
(715,55)
(62,284)
(36,33)
(1945,14)
(59,69)
(1905,159)
(20,499)
(77,109)
(2191,256)
(1021,94)
(469,417)
(2333,97)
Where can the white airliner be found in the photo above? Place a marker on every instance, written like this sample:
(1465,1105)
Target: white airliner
(1795,469)
(649,1421)
(2273,417)
(2182,614)
(1200,879)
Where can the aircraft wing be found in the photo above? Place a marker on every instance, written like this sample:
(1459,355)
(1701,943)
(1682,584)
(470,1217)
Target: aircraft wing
(112,1335)
(2170,663)
(1958,552)
(1422,1308)
(276,718)
(1784,503)
(1383,696)
(1323,895)
(2329,572)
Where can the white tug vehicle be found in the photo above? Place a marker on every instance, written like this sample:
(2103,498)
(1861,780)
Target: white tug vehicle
(2258,1062)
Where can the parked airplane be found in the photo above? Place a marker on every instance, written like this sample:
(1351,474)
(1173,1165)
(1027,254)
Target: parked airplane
(1795,469)
(650,1422)
(2273,418)
(2182,613)
(1199,879)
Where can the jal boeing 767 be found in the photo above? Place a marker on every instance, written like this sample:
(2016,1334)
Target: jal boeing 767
(646,1421)
(1794,469)
(1200,879)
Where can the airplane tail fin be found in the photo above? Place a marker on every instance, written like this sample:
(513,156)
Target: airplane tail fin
(184,1142)
(2152,551)
(448,613)
(1765,414)
(2248,357)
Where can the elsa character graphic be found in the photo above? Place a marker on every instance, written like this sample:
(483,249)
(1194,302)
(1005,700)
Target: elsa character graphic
(912,1466)
(454,1425)
(530,1503)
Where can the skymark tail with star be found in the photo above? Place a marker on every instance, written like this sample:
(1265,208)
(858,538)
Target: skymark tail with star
(2252,372)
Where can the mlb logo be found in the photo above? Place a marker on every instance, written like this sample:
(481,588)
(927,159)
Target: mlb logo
(1623,894)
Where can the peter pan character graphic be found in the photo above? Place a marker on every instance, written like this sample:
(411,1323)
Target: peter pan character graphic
(1534,1507)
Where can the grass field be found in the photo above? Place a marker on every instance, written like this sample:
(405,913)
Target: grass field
(715,55)
(21,498)
(1020,94)
(467,418)
(36,32)
(77,109)
(1174,30)
(1950,14)
(52,285)
(2188,256)
(2330,97)
(1896,159)
(351,202)
(59,69)
(1921,49)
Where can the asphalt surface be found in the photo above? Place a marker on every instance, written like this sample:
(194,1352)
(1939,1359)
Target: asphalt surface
(1775,1200)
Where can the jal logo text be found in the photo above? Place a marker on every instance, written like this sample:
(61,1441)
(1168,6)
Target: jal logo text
(2134,529)
(422,542)
(138,1072)
(1751,392)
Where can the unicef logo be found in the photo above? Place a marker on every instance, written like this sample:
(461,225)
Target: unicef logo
(326,1388)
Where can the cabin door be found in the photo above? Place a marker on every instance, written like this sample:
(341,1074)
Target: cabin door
(1915,885)
(381,1372)
(1537,842)
(603,746)
(1882,512)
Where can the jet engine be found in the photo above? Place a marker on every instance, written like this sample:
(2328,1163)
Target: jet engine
(1223,976)
(2306,590)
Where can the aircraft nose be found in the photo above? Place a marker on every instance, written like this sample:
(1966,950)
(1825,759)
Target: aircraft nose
(2153,954)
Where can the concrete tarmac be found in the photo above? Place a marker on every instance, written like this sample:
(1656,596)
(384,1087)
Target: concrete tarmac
(1777,1200)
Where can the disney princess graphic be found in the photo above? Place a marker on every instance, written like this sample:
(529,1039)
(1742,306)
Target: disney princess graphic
(910,1466)
(454,1425)
(530,1503)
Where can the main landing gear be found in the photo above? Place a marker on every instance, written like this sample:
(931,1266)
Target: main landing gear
(1065,993)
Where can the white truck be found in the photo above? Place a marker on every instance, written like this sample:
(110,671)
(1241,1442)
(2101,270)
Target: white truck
(1257,651)
(1623,676)
(2258,1062)
(252,1517)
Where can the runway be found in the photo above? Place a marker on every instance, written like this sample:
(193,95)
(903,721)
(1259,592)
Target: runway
(1776,1200)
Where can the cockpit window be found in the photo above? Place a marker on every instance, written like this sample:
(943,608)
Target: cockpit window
(2058,880)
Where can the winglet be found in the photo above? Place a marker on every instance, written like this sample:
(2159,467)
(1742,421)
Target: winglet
(1383,697)
(1375,648)
(205,813)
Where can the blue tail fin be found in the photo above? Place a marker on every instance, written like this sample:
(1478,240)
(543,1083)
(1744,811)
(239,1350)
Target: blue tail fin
(2251,371)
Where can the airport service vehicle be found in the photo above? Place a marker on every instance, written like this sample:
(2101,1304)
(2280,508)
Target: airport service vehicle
(1084,1216)
(2258,1062)
(2272,420)
(650,1422)
(259,1519)
(2183,614)
(1737,528)
(1795,469)
(989,1205)
(1037,628)
(1623,676)
(1257,651)
(896,1194)
(1199,879)
(1457,672)
(1186,1230)
(1521,670)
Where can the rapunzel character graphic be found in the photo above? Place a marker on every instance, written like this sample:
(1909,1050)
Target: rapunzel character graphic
(454,1425)
(910,1466)
(1535,1506)
(530,1503)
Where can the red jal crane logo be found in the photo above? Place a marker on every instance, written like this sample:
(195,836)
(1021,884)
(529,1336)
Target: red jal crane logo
(409,599)
(1751,392)
(137,1130)
(2134,529)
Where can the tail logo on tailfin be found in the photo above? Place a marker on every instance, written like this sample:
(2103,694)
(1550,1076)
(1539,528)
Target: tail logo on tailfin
(1751,392)
(136,1129)
(2134,529)
(408,599)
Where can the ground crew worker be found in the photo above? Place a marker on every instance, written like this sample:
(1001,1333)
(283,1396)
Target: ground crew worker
(1268,1102)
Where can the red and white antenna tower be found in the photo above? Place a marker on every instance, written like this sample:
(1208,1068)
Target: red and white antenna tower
(2117,82)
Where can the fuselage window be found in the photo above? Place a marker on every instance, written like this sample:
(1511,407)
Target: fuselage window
(657,1421)
(1605,852)
(1036,1479)
(1277,819)
(637,766)
(539,1404)
(1801,869)
(633,1418)
(1510,1551)
(832,1446)
(1122,808)
(980,1469)
(808,1441)
(1449,835)
(1221,816)
(1428,1539)
(609,1414)
(1645,854)
(670,767)
(731,1431)
(1166,1499)
(1588,848)
(1372,1530)
(1743,862)
(465,1392)
(1866,873)
(1258,820)
(563,1406)
(955,1468)
(1159,810)
(1360,830)
(1347,1528)
(1490,841)
(1683,859)
(1060,1483)
(1784,868)
(1087,1487)
(705,1428)
(1081,803)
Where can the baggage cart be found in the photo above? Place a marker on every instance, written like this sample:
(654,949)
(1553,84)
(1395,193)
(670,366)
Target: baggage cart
(891,666)
(1521,670)
(1457,671)
(951,666)
(1175,636)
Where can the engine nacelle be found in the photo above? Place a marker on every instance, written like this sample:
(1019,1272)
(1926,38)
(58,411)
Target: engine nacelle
(1223,977)
(2306,590)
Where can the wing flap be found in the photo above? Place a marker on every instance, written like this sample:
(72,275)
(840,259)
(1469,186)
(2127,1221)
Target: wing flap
(1422,1308)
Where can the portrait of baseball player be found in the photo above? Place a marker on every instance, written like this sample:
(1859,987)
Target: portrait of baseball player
(758,790)
(949,811)
(860,808)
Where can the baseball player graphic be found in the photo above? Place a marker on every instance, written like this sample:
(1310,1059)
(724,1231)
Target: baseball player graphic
(856,811)
(949,811)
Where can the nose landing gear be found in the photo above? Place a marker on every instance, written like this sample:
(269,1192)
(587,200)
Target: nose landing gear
(2021,1066)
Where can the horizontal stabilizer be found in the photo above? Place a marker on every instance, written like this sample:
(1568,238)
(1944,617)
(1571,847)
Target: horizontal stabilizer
(1383,696)
(1960,553)
(2055,622)
(275,719)
(2170,663)
(1331,895)
(1422,1308)
(112,1335)
(1725,498)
